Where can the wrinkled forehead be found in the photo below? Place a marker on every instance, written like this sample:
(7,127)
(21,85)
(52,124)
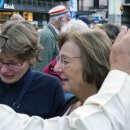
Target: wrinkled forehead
(70,48)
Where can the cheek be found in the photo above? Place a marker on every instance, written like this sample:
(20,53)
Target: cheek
(76,74)
(68,71)
(72,72)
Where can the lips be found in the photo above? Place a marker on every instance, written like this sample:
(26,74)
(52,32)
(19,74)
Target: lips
(7,76)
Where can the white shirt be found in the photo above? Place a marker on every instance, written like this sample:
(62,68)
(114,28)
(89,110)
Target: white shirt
(107,110)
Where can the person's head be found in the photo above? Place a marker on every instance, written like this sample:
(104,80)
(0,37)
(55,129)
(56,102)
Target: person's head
(59,16)
(19,49)
(112,30)
(17,17)
(74,25)
(83,60)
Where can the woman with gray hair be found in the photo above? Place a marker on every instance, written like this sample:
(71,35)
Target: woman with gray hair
(21,88)
(82,64)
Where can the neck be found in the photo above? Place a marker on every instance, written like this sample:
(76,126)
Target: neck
(86,91)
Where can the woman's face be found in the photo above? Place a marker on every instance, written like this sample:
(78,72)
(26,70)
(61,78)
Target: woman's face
(11,69)
(69,66)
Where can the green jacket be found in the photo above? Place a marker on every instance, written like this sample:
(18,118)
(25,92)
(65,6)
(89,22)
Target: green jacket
(48,39)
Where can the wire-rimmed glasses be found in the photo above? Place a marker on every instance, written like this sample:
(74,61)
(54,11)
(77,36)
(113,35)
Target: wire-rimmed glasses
(64,61)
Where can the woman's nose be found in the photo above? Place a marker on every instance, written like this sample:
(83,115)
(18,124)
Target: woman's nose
(4,68)
(58,67)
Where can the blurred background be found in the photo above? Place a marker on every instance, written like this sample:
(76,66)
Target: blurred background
(93,11)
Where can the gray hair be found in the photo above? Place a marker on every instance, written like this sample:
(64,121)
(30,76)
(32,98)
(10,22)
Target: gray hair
(76,25)
(94,50)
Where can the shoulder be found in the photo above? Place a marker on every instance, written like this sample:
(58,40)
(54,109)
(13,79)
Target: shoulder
(46,80)
(46,34)
(45,31)
(41,76)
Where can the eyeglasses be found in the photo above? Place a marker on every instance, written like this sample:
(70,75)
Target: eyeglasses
(3,40)
(64,61)
(11,65)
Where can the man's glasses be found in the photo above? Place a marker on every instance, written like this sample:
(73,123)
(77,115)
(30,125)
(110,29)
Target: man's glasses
(11,65)
(64,61)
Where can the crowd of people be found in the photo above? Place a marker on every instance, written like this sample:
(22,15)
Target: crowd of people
(67,76)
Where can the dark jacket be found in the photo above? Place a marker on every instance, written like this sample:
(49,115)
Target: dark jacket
(43,97)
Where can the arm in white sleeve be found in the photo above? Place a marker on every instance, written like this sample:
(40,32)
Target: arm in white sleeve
(107,110)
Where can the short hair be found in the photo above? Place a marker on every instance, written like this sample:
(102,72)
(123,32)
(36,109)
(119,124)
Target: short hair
(23,40)
(75,25)
(94,50)
(112,30)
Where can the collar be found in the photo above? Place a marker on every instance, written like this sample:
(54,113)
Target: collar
(56,30)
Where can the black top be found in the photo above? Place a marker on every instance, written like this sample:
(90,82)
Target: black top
(68,102)
(43,97)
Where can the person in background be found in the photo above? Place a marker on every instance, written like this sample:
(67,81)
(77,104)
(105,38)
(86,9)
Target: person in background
(107,110)
(21,88)
(112,30)
(17,17)
(35,26)
(72,25)
(59,16)
(75,25)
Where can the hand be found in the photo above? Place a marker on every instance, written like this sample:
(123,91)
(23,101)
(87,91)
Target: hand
(120,51)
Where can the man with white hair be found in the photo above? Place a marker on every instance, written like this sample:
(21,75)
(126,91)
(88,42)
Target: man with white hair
(59,16)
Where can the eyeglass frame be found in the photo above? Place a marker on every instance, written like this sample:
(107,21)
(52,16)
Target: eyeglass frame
(61,59)
(11,66)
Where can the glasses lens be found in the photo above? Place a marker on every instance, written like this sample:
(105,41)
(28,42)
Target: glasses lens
(60,60)
(11,66)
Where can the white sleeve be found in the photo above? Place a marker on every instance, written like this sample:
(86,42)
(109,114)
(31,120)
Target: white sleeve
(107,110)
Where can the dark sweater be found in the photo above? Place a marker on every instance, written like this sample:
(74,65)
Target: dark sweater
(43,98)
